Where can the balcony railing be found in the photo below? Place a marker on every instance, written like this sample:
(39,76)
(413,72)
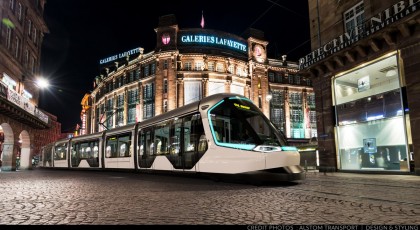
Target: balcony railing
(22,102)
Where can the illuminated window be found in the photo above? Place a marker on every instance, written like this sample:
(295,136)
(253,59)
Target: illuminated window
(165,85)
(277,109)
(219,67)
(192,91)
(110,113)
(231,69)
(9,81)
(210,66)
(187,66)
(198,66)
(165,106)
(132,103)
(146,70)
(216,87)
(237,89)
(239,71)
(148,101)
(296,99)
(120,117)
(296,115)
(153,68)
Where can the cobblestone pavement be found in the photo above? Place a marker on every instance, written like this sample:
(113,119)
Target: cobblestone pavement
(59,197)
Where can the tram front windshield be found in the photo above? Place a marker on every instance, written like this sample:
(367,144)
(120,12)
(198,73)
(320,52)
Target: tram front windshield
(236,122)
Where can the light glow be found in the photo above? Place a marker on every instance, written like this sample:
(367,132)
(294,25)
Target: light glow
(42,83)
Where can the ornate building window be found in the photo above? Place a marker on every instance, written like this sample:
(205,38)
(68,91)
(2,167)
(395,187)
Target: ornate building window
(210,65)
(271,76)
(165,106)
(219,67)
(187,66)
(353,18)
(237,89)
(231,69)
(165,85)
(198,66)
(153,68)
(216,87)
(120,111)
(165,64)
(133,97)
(148,100)
(277,109)
(192,91)
(146,70)
(109,113)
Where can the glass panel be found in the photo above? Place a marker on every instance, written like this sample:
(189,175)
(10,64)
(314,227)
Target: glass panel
(238,123)
(370,118)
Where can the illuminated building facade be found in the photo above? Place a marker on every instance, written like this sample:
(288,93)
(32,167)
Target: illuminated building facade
(189,64)
(22,29)
(365,70)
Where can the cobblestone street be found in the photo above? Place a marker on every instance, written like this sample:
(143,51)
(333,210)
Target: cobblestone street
(57,197)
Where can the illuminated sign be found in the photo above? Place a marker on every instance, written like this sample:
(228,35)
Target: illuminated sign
(213,40)
(390,15)
(242,106)
(166,39)
(119,56)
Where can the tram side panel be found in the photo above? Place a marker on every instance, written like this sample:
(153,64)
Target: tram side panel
(85,153)
(172,144)
(60,153)
(119,150)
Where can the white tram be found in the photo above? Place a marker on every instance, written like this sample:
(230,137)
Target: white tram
(220,135)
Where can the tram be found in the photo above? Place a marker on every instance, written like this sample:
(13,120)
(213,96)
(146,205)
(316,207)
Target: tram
(220,135)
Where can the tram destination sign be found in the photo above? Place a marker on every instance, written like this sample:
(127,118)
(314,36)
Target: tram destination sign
(390,15)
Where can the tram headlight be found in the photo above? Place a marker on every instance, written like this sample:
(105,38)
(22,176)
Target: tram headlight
(266,148)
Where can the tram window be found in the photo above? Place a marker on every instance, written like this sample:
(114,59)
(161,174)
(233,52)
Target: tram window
(141,150)
(95,151)
(108,151)
(123,149)
(152,149)
(202,146)
(118,146)
(88,152)
(124,144)
(161,138)
(60,152)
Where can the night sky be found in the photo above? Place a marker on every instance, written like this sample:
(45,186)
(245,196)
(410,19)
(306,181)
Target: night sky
(81,32)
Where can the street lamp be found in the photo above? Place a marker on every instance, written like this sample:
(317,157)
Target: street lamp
(42,83)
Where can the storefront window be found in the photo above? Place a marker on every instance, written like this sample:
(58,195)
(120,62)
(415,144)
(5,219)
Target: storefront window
(370,118)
